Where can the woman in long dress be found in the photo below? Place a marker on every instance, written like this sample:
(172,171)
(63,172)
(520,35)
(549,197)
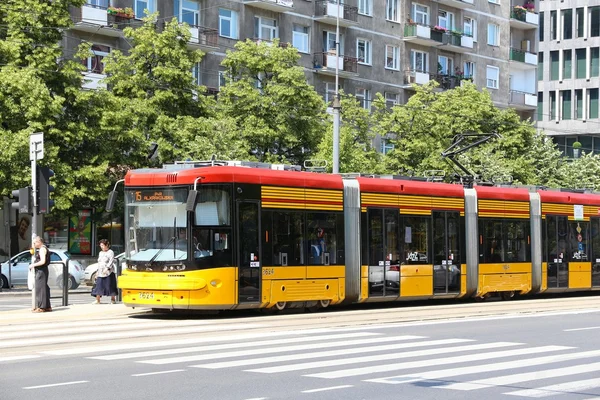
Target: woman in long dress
(106,281)
(40,266)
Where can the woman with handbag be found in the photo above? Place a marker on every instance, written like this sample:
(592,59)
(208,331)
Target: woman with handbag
(106,283)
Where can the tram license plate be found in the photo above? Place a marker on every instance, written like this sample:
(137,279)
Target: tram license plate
(146,295)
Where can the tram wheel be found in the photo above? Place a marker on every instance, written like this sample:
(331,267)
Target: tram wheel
(324,303)
(280,306)
(507,295)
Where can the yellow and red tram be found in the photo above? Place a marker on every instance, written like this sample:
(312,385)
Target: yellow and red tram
(231,235)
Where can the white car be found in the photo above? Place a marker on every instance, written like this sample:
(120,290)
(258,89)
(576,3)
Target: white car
(92,269)
(19,268)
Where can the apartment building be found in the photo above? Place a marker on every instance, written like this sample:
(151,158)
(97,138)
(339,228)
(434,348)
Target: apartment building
(569,73)
(385,46)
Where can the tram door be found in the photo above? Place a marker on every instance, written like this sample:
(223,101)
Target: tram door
(446,252)
(384,267)
(558,266)
(248,217)
(595,241)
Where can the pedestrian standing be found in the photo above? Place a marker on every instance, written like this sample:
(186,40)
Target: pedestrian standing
(106,281)
(40,265)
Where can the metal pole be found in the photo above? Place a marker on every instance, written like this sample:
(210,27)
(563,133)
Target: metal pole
(119,291)
(66,279)
(336,100)
(34,217)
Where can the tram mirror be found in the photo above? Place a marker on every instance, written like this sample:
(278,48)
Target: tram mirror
(110,203)
(191,200)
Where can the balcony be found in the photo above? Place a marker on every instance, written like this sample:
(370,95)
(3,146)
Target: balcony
(415,77)
(327,11)
(457,43)
(271,5)
(523,19)
(462,4)
(93,81)
(94,19)
(446,82)
(205,39)
(521,59)
(423,35)
(325,63)
(522,101)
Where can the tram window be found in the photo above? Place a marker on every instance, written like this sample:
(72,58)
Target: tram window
(504,240)
(578,240)
(414,239)
(595,239)
(324,238)
(288,238)
(212,247)
(517,247)
(213,206)
(491,243)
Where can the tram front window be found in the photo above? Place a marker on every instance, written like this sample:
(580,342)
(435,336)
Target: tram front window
(155,220)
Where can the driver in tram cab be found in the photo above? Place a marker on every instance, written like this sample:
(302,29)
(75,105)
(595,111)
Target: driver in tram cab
(182,242)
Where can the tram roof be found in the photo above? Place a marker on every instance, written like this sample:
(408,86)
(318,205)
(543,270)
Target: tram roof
(566,197)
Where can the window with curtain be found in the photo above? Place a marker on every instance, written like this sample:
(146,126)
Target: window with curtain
(578,103)
(580,63)
(540,69)
(594,62)
(593,103)
(566,104)
(567,63)
(552,96)
(554,65)
(540,106)
(567,21)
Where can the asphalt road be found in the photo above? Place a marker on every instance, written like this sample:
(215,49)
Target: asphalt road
(547,348)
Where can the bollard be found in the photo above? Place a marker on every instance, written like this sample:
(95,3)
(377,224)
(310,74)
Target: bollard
(119,292)
(65,296)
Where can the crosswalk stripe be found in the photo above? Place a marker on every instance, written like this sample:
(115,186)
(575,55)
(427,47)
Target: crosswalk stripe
(120,335)
(524,377)
(243,353)
(561,388)
(91,348)
(451,372)
(18,358)
(438,361)
(237,345)
(331,353)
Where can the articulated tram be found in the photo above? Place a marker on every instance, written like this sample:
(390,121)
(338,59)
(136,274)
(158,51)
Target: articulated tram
(235,235)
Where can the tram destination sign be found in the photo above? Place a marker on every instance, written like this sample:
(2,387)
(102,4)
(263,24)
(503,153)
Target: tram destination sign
(158,196)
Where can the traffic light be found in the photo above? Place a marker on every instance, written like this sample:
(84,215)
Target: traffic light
(45,204)
(22,200)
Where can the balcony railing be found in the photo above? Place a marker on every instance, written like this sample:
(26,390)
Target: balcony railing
(523,56)
(270,42)
(330,8)
(204,36)
(525,16)
(415,76)
(522,99)
(328,60)
(446,82)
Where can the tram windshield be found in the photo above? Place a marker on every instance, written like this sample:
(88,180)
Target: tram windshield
(155,220)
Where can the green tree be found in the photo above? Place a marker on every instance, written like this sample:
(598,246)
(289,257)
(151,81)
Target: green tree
(582,172)
(276,111)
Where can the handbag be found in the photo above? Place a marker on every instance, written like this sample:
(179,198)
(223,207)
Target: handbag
(30,278)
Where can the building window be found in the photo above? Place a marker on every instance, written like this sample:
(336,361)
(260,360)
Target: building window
(492,76)
(189,12)
(554,65)
(540,106)
(594,21)
(493,34)
(330,92)
(566,104)
(469,70)
(553,25)
(446,19)
(392,57)
(470,28)
(329,42)
(391,99)
(420,14)
(95,63)
(391,10)
(265,28)
(363,51)
(98,3)
(386,146)
(594,66)
(228,23)
(300,38)
(365,7)
(419,61)
(197,74)
(444,65)
(552,95)
(222,79)
(593,103)
(578,103)
(579,21)
(567,64)
(541,27)
(141,5)
(540,70)
(580,63)
(567,21)
(364,98)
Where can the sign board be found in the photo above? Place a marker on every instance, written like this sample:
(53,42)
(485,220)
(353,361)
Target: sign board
(36,146)
(578,212)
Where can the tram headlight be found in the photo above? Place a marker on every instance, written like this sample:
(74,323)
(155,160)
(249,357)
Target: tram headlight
(181,268)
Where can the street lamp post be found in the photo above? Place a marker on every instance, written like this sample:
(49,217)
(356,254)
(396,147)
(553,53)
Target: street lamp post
(336,100)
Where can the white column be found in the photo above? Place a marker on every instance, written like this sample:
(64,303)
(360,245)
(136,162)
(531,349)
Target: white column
(588,54)
(557,105)
(584,103)
(560,66)
(585,22)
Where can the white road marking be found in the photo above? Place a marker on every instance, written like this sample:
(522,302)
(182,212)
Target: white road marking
(508,365)
(15,358)
(581,329)
(327,388)
(243,353)
(331,353)
(238,344)
(523,377)
(437,361)
(561,388)
(55,384)
(159,372)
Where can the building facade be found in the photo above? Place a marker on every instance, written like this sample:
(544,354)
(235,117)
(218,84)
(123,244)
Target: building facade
(569,73)
(385,46)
